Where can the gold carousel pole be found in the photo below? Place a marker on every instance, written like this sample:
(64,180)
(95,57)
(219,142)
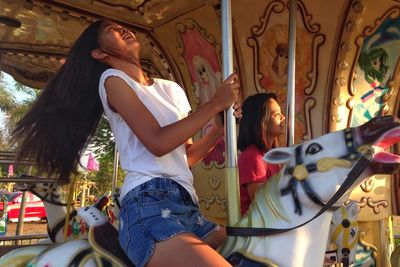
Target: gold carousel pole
(231,174)
(114,186)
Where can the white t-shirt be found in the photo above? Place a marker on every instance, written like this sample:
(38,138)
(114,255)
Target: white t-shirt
(167,101)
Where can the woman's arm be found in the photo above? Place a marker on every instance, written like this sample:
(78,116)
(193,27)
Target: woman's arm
(162,140)
(198,150)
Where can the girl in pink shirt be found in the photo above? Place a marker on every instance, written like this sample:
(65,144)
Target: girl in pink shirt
(261,123)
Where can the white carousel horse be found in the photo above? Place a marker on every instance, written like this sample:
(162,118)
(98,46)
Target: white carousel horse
(284,210)
(322,163)
(56,209)
(100,250)
(344,232)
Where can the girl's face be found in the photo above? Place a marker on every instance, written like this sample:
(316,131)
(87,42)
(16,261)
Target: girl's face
(275,120)
(118,41)
(376,63)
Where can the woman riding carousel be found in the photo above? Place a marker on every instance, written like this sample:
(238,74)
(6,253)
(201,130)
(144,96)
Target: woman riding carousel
(152,127)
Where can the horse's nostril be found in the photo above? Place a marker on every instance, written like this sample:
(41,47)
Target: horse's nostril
(345,251)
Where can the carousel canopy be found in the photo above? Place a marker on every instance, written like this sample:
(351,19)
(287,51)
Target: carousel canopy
(347,54)
(36,35)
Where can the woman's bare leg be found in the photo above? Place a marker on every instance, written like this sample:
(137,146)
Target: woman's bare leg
(185,250)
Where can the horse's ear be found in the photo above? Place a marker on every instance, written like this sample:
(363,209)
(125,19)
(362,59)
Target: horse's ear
(353,209)
(278,155)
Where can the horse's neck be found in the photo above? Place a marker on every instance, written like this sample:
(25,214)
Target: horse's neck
(311,237)
(55,213)
(303,246)
(270,209)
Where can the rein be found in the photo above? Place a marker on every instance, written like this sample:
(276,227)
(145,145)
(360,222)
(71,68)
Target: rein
(352,176)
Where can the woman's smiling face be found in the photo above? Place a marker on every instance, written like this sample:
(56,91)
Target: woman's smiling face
(117,40)
(275,119)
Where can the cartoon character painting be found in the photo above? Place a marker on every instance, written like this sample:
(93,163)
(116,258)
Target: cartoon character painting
(370,103)
(375,69)
(273,65)
(202,60)
(207,81)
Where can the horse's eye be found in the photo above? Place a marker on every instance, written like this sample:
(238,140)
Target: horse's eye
(314,148)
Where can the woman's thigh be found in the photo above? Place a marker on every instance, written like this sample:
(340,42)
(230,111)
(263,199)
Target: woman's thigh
(185,250)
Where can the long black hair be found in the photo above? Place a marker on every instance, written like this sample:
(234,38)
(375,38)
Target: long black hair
(61,122)
(253,122)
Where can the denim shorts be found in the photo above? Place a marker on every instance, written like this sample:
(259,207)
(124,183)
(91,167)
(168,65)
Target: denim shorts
(156,211)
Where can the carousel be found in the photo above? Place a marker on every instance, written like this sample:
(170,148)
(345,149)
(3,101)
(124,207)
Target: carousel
(335,67)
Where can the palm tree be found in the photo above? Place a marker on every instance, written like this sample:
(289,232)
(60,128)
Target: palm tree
(12,110)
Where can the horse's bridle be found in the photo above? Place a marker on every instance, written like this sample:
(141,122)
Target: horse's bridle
(50,194)
(363,161)
(352,154)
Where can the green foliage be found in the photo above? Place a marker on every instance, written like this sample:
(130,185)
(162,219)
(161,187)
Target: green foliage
(103,178)
(104,147)
(103,141)
(12,109)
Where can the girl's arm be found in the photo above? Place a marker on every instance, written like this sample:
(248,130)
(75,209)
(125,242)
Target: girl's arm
(198,150)
(162,140)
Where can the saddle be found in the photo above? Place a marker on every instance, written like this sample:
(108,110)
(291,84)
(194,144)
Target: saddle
(103,238)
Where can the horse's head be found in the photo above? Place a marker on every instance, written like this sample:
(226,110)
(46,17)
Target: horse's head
(322,164)
(48,192)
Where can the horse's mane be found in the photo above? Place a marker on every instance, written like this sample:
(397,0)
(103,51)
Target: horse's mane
(266,209)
